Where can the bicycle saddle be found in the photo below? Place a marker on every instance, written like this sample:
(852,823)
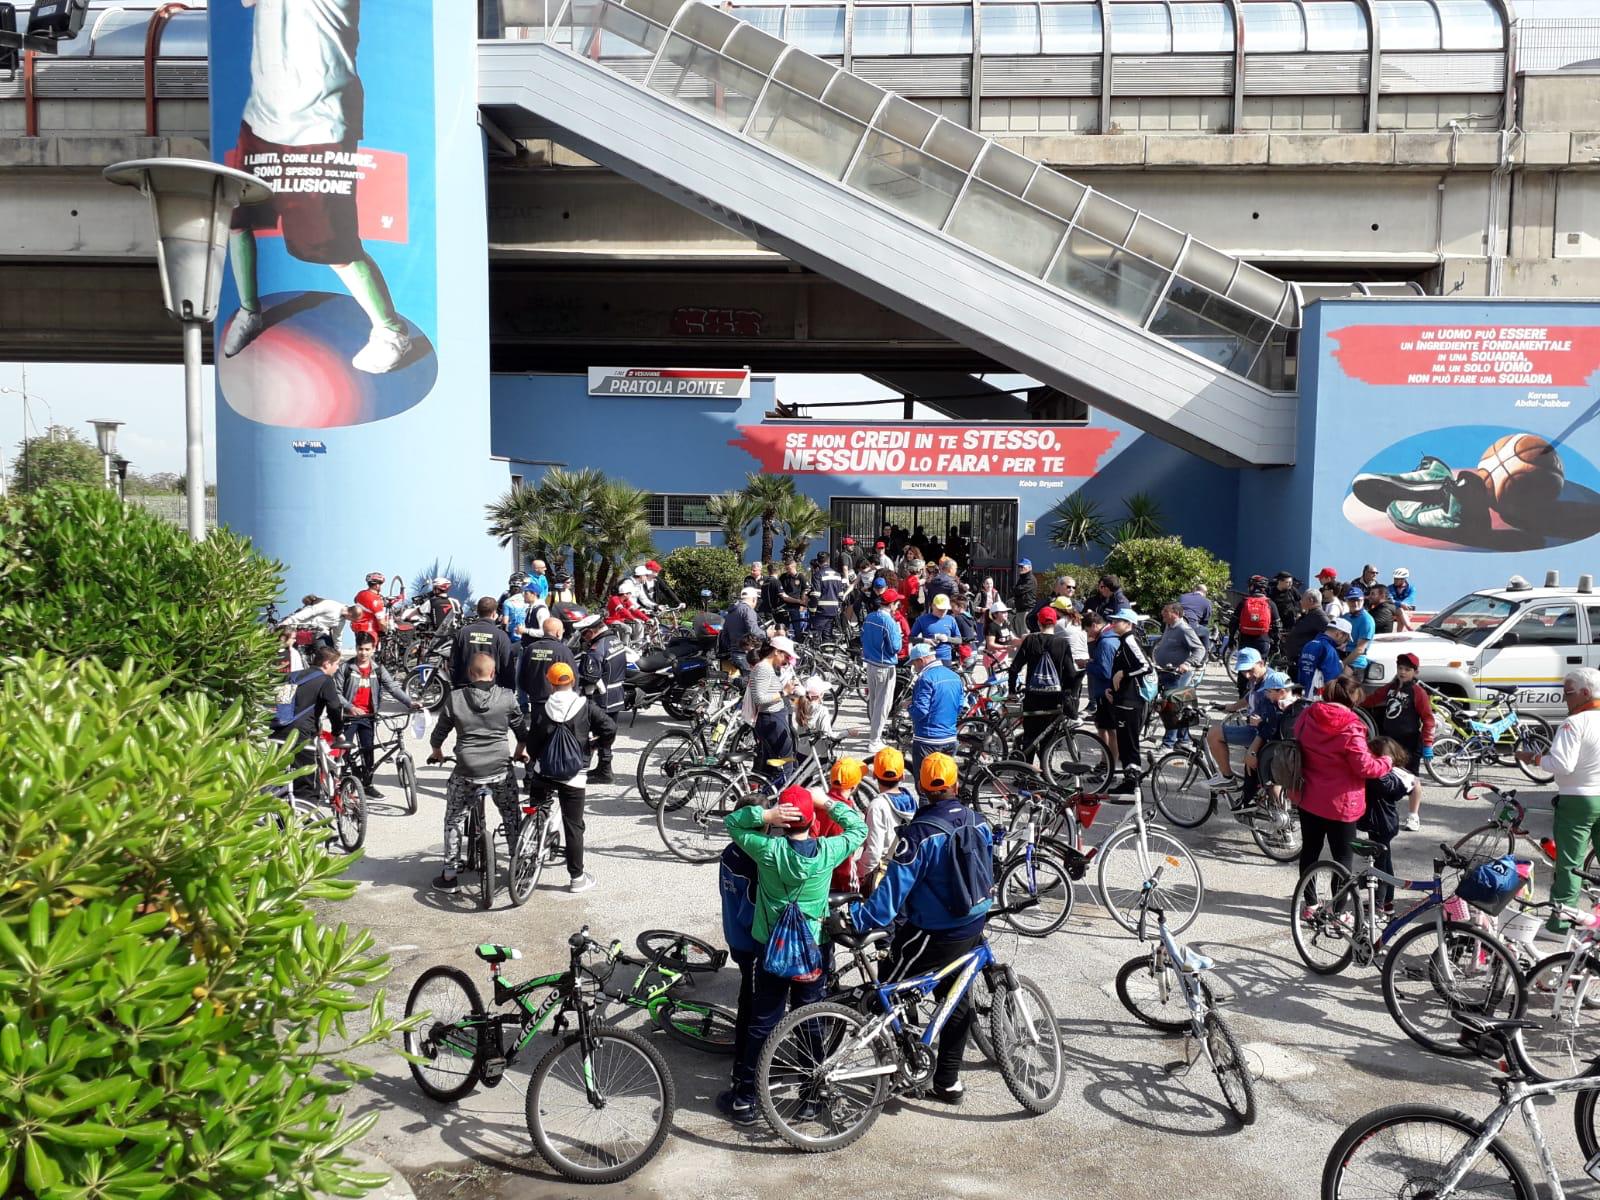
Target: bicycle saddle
(870,938)
(497,954)
(1193,961)
(1365,848)
(1071,768)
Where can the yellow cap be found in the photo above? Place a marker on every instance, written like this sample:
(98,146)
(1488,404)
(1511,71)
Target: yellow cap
(847,773)
(889,765)
(938,773)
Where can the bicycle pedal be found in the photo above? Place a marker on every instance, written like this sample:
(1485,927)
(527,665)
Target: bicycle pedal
(1592,1167)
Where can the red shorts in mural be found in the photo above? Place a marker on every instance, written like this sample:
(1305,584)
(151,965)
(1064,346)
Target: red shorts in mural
(314,197)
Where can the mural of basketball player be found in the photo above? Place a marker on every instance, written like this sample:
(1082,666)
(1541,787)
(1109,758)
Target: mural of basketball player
(1518,495)
(306,100)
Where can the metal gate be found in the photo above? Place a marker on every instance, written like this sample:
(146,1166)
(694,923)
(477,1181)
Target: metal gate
(986,528)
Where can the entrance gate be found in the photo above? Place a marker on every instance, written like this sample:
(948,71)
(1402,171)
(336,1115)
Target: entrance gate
(988,529)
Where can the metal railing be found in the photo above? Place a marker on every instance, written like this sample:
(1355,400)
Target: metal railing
(1550,43)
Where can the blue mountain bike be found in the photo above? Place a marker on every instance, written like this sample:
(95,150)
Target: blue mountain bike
(827,1070)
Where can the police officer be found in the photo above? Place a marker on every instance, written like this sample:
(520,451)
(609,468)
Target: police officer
(830,588)
(602,668)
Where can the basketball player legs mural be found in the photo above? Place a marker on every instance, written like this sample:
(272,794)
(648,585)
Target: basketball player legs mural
(305,106)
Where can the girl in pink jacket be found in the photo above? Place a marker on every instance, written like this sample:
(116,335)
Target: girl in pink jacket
(1336,765)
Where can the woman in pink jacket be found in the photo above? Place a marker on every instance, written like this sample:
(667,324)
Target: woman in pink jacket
(1336,765)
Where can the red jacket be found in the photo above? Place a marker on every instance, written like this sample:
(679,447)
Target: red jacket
(1406,723)
(847,875)
(1337,763)
(620,608)
(898,612)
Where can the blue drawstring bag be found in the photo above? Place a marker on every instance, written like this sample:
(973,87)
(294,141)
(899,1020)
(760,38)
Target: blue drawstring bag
(1491,885)
(792,953)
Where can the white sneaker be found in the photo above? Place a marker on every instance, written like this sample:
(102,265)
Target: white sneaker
(242,330)
(582,883)
(1219,782)
(1411,821)
(383,352)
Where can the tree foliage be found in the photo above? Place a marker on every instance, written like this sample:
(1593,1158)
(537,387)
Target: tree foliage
(802,522)
(690,569)
(60,455)
(172,1015)
(84,576)
(603,523)
(1155,571)
(734,513)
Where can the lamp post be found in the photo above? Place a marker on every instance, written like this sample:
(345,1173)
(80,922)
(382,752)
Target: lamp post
(191,202)
(105,432)
(121,465)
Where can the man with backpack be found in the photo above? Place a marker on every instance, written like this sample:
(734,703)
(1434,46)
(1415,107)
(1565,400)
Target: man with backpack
(603,668)
(938,880)
(302,700)
(1255,622)
(1051,678)
(558,755)
(793,870)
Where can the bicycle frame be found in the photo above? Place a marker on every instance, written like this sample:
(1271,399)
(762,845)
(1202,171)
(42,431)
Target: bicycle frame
(1520,1097)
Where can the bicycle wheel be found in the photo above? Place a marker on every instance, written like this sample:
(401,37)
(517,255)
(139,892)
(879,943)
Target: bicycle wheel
(486,863)
(707,1027)
(1042,878)
(608,1140)
(798,1079)
(1485,843)
(1077,746)
(690,812)
(1406,1150)
(1565,1002)
(1536,735)
(425,684)
(1451,762)
(443,1049)
(1277,830)
(1323,914)
(1429,972)
(981,997)
(662,758)
(1583,1118)
(1178,784)
(1125,866)
(406,770)
(1027,1045)
(1151,991)
(1233,1073)
(527,856)
(996,786)
(978,741)
(349,815)
(680,951)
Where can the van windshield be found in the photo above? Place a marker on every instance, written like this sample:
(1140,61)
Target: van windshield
(1471,619)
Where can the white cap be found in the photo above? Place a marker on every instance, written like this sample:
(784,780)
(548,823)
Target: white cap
(641,571)
(1341,625)
(816,687)
(999,606)
(782,643)
(750,594)
(625,587)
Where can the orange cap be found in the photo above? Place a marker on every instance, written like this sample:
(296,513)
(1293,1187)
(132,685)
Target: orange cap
(847,773)
(889,765)
(559,674)
(938,773)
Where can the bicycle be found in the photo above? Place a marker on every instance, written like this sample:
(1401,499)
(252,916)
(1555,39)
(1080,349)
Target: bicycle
(600,1101)
(716,739)
(1489,741)
(828,1069)
(1425,1151)
(526,846)
(670,962)
(339,788)
(1178,783)
(428,683)
(1441,959)
(1563,1008)
(394,748)
(1149,983)
(998,734)
(1504,829)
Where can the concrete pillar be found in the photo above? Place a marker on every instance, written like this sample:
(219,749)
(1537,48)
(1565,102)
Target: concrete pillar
(352,346)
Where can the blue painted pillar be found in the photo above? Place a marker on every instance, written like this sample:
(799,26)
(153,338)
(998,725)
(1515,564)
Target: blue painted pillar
(352,344)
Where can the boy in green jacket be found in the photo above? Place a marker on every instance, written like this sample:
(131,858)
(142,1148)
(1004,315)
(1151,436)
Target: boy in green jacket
(792,863)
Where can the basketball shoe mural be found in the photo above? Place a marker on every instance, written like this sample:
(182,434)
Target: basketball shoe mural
(1517,496)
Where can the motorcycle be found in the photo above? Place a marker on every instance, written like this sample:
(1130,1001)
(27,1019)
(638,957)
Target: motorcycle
(673,673)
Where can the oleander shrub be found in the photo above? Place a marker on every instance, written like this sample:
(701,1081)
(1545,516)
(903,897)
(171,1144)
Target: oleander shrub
(1156,571)
(174,1020)
(688,569)
(84,576)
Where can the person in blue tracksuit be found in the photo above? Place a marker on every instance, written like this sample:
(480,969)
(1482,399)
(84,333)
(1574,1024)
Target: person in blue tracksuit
(880,651)
(923,887)
(1320,663)
(935,624)
(936,699)
(736,881)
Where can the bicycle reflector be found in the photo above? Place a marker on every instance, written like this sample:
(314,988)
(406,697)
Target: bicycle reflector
(1172,862)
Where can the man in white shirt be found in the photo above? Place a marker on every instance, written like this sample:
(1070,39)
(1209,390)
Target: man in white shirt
(299,134)
(1574,759)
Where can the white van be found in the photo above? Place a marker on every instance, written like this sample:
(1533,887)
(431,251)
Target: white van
(1518,636)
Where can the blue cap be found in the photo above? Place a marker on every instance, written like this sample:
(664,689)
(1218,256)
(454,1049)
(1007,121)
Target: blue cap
(1125,614)
(1246,659)
(1274,679)
(919,651)
(880,581)
(1025,563)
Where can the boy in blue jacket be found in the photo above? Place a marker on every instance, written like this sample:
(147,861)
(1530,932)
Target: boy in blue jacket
(1320,663)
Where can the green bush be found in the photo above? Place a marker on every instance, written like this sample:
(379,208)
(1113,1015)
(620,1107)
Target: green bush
(83,575)
(690,568)
(1084,573)
(172,1015)
(1156,571)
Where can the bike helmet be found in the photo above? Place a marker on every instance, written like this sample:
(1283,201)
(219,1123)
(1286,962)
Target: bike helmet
(938,773)
(518,581)
(889,765)
(441,584)
(375,578)
(846,773)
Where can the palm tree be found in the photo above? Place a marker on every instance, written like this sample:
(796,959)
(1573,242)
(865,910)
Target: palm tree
(1144,519)
(734,513)
(1078,524)
(767,494)
(619,529)
(602,522)
(803,522)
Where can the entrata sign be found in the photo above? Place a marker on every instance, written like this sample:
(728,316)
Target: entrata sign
(669,383)
(1468,355)
(925,449)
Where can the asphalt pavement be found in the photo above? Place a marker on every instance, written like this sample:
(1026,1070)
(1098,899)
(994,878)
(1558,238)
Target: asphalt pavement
(1131,1122)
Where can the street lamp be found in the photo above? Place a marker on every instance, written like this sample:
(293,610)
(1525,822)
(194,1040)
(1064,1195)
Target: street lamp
(191,202)
(105,432)
(121,465)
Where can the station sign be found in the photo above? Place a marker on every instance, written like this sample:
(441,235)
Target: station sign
(670,383)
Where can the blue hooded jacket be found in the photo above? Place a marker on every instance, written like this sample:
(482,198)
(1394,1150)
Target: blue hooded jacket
(921,883)
(936,704)
(1320,655)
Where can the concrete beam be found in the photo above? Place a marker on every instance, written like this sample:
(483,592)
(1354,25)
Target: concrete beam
(959,396)
(95,152)
(1331,149)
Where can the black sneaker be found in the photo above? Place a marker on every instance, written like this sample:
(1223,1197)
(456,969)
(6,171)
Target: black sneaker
(951,1095)
(737,1109)
(601,775)
(446,883)
(372,792)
